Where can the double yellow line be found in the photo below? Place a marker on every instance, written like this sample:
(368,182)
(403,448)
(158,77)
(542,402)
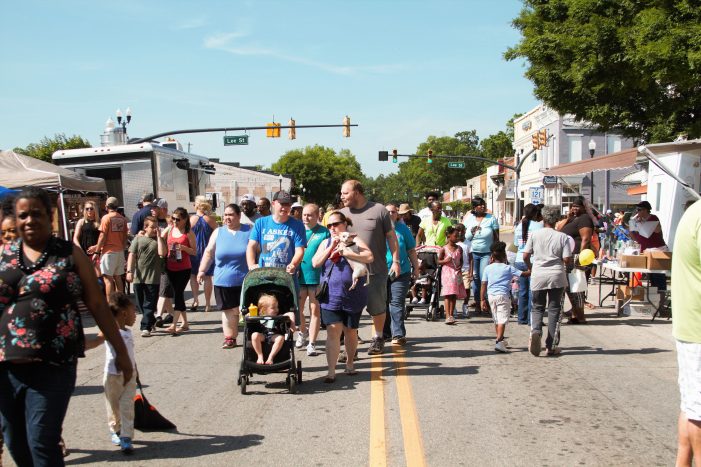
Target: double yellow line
(413,443)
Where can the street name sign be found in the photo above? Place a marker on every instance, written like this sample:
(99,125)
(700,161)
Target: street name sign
(235,140)
(456,165)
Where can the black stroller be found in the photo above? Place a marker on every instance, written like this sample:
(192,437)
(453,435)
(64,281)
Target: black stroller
(278,282)
(428,255)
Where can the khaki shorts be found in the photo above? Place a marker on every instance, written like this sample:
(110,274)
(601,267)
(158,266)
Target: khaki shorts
(466,280)
(112,264)
(689,361)
(377,294)
(501,308)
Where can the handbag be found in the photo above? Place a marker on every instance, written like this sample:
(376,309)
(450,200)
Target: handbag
(578,281)
(146,417)
(323,294)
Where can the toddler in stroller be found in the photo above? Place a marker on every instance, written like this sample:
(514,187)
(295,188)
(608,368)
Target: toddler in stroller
(268,306)
(427,286)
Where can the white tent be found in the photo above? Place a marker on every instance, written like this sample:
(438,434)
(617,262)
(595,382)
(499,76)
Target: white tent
(19,171)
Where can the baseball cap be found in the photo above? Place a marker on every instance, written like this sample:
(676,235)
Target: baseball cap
(248,197)
(296,205)
(161,203)
(404,208)
(644,205)
(112,202)
(147,198)
(282,197)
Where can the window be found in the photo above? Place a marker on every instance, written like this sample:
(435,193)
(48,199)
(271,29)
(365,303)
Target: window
(657,198)
(575,152)
(613,144)
(193,184)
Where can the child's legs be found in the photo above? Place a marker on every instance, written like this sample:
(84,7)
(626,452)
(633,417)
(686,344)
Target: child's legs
(257,343)
(126,408)
(500,306)
(303,295)
(277,345)
(449,301)
(292,320)
(113,392)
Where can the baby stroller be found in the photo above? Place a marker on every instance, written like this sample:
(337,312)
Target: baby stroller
(273,281)
(430,278)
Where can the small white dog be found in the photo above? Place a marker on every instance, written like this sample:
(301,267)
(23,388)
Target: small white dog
(359,269)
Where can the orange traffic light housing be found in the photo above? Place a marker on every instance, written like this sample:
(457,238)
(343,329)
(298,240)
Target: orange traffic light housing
(543,138)
(273,130)
(291,132)
(536,140)
(394,156)
(346,127)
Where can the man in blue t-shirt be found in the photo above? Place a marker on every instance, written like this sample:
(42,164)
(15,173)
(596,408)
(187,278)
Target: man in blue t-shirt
(137,220)
(279,239)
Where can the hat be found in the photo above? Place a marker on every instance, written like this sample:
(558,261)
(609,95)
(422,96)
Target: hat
(248,197)
(161,203)
(644,205)
(147,198)
(282,197)
(296,205)
(112,202)
(608,211)
(404,208)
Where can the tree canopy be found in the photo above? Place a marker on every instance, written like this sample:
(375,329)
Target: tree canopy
(47,146)
(632,66)
(320,170)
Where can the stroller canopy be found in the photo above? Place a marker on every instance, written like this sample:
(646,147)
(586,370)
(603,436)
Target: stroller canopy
(275,281)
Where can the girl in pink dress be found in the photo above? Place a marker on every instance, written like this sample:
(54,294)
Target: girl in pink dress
(452,287)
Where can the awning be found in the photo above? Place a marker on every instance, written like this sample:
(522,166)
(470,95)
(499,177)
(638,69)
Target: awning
(618,160)
(637,190)
(634,178)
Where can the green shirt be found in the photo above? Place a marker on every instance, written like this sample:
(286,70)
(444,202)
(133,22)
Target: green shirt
(309,275)
(435,234)
(148,263)
(686,277)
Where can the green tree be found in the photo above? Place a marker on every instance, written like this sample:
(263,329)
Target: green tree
(47,146)
(497,146)
(633,66)
(320,170)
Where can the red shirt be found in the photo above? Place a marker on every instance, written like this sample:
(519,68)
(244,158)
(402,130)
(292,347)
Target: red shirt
(172,264)
(655,240)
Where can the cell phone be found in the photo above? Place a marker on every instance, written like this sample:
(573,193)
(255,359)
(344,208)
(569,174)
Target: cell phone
(392,276)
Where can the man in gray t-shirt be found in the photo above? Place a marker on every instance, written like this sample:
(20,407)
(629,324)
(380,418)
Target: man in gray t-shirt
(550,251)
(373,225)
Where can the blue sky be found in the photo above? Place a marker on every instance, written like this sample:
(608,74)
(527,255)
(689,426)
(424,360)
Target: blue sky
(402,70)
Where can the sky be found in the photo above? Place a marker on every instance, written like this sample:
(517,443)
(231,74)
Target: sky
(401,70)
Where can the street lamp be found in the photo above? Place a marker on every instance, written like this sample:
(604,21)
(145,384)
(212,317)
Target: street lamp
(279,177)
(592,150)
(123,121)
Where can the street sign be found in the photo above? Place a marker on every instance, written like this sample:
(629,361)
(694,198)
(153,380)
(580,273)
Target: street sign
(235,140)
(549,180)
(536,193)
(456,165)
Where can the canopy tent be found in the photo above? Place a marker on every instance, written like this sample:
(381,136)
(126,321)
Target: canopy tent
(619,160)
(19,171)
(6,191)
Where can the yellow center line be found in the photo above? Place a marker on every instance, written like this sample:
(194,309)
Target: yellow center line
(378,441)
(413,442)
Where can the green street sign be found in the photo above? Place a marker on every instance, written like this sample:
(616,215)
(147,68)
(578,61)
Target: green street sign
(235,140)
(456,165)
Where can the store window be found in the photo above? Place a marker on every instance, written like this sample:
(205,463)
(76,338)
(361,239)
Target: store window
(575,152)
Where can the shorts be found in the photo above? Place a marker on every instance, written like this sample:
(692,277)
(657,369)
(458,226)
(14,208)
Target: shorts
(466,280)
(309,290)
(270,337)
(501,308)
(689,361)
(165,289)
(227,297)
(349,320)
(112,264)
(377,295)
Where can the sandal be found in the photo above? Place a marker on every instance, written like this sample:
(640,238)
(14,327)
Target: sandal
(184,327)
(194,306)
(329,380)
(171,330)
(351,371)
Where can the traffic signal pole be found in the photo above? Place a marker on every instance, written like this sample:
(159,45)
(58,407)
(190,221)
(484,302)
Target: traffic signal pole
(225,129)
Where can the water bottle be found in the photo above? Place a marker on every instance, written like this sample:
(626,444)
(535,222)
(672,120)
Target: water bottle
(178,253)
(252,310)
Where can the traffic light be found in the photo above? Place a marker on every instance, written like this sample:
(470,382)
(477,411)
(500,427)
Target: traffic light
(382,157)
(291,132)
(346,128)
(543,138)
(273,130)
(430,156)
(536,140)
(394,156)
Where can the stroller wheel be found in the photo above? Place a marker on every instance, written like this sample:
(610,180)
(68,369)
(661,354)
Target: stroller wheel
(299,372)
(293,384)
(243,382)
(442,311)
(429,313)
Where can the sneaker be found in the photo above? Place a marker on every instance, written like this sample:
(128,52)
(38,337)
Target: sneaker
(158,323)
(500,347)
(311,350)
(125,445)
(229,343)
(399,340)
(168,319)
(114,438)
(552,352)
(145,333)
(301,339)
(342,357)
(377,346)
(415,300)
(534,343)
(422,301)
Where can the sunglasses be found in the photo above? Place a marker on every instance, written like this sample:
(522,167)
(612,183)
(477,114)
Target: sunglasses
(176,219)
(89,209)
(333,224)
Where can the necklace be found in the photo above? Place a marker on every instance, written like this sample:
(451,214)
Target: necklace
(38,264)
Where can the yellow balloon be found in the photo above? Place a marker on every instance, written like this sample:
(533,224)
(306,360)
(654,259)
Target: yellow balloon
(586,257)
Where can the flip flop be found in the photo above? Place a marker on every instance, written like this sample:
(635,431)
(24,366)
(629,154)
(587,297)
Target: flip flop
(352,372)
(329,380)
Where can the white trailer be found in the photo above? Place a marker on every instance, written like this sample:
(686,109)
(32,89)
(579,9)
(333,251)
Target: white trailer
(132,170)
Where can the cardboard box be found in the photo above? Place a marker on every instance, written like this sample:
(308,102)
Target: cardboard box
(636,293)
(634,261)
(659,259)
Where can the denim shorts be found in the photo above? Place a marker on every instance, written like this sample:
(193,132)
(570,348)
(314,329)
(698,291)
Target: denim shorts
(349,320)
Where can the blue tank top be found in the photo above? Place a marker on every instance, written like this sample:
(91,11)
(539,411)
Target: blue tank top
(230,266)
(202,231)
(341,279)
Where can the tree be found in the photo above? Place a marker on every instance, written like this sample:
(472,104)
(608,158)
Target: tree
(497,146)
(320,170)
(47,146)
(623,65)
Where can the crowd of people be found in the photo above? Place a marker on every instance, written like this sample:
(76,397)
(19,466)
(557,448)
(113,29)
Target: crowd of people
(362,253)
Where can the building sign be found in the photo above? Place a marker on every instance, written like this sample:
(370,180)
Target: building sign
(510,189)
(549,180)
(525,126)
